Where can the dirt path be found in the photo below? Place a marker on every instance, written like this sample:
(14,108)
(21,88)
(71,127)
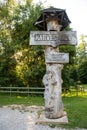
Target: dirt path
(22,118)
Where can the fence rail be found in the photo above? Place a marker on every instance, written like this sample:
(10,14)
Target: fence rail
(22,90)
(34,90)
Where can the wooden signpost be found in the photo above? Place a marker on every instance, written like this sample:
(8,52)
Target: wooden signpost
(52,80)
(53,38)
(54,64)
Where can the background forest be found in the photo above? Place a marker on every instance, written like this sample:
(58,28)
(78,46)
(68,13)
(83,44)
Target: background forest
(24,65)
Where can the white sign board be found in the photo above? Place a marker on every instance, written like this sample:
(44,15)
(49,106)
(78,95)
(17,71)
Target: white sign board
(53,38)
(57,57)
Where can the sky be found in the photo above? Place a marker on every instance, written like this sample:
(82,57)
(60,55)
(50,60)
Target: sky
(76,11)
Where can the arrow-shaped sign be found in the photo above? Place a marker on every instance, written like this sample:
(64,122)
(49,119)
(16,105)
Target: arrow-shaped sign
(53,38)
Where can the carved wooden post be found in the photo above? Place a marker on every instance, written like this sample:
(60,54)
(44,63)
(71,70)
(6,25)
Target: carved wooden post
(52,80)
(53,20)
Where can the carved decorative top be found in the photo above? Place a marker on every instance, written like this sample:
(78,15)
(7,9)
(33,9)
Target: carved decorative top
(52,13)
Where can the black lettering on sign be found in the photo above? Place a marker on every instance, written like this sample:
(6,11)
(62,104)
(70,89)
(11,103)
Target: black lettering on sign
(46,37)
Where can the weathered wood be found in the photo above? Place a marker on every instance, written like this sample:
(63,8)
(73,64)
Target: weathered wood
(53,38)
(22,90)
(57,58)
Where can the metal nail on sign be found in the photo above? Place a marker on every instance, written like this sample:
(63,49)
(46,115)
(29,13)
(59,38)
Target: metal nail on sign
(53,38)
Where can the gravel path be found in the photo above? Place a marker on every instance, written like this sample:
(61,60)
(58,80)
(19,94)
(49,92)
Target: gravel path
(22,118)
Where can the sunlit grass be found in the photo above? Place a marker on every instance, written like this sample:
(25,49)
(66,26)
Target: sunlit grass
(79,94)
(76,107)
(26,100)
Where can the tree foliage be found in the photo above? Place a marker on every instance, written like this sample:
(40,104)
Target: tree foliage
(82,59)
(82,71)
(20,63)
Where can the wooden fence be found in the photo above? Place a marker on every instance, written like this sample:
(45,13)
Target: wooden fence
(22,90)
(35,90)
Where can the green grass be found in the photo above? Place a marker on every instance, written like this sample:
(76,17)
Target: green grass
(75,106)
(29,100)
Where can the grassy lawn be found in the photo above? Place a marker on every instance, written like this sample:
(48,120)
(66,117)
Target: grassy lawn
(76,106)
(29,100)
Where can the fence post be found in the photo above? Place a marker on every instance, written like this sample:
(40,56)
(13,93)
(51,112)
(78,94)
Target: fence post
(28,89)
(10,89)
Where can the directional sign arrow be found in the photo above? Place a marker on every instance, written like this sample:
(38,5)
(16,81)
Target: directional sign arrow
(53,38)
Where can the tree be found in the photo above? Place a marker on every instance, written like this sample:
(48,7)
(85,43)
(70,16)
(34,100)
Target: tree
(82,59)
(82,72)
(16,23)
(29,66)
(21,64)
(81,49)
(68,80)
(7,63)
